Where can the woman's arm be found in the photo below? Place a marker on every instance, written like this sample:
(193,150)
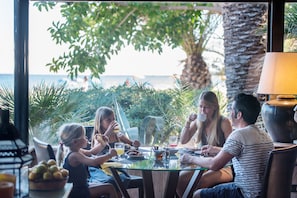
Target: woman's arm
(212,163)
(189,129)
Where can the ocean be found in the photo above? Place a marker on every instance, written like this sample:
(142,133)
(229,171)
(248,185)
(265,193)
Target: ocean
(106,81)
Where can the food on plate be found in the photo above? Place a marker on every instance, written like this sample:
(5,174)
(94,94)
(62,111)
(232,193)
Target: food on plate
(134,153)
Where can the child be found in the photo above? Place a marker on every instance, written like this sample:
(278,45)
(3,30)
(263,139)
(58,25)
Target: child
(104,136)
(106,128)
(73,136)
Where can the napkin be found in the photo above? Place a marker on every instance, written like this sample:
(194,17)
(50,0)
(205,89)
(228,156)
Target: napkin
(105,166)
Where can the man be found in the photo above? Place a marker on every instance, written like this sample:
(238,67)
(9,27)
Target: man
(247,147)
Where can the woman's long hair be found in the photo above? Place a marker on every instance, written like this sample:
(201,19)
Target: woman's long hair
(213,139)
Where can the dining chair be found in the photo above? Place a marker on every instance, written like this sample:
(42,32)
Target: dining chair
(278,173)
(44,151)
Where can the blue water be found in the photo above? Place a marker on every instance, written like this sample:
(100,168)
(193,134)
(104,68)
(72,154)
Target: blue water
(106,81)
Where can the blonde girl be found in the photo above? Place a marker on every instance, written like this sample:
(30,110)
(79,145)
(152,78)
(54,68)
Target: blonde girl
(209,127)
(104,136)
(74,137)
(104,129)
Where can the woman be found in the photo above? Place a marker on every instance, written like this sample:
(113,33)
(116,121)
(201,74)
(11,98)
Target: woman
(209,127)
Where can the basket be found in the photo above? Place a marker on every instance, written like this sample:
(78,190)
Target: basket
(47,185)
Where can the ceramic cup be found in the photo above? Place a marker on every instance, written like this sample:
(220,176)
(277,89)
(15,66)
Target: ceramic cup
(201,117)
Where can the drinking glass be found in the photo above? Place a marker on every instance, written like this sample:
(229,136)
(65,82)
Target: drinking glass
(172,141)
(120,148)
(117,129)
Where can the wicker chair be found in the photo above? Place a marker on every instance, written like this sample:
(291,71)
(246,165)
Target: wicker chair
(43,150)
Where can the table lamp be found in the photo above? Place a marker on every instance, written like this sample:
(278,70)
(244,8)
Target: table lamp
(279,82)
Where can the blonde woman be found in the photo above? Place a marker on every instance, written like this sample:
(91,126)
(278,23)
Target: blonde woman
(208,127)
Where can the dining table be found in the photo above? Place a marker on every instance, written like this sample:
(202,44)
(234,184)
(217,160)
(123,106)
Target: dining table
(147,163)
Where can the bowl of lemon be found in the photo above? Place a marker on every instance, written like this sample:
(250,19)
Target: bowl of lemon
(47,176)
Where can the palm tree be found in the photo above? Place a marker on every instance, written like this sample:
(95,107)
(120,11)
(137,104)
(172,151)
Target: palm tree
(96,31)
(196,72)
(244,44)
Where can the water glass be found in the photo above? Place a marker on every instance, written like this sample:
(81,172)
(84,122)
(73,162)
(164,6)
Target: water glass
(172,141)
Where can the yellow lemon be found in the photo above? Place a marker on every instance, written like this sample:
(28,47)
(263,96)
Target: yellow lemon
(40,169)
(64,172)
(53,168)
(51,162)
(47,176)
(57,175)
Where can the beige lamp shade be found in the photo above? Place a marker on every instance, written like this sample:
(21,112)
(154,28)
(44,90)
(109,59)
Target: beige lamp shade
(279,74)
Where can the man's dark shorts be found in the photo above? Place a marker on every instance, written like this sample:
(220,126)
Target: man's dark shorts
(226,190)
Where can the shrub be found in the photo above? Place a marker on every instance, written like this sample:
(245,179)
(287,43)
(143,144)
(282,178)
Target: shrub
(51,106)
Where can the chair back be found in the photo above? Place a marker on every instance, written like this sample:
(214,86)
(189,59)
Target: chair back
(278,173)
(89,133)
(43,150)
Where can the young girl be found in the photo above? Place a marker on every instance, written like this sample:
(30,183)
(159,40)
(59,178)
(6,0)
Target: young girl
(73,136)
(104,136)
(106,128)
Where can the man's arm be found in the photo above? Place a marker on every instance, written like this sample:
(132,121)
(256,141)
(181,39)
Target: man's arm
(212,163)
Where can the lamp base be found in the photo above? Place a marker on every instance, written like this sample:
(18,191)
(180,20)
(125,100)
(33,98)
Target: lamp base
(278,118)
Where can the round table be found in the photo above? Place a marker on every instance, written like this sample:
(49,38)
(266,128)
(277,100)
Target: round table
(147,165)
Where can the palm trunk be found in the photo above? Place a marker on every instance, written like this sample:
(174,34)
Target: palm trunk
(244,46)
(195,72)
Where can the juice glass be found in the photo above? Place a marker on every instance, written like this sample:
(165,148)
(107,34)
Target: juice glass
(120,148)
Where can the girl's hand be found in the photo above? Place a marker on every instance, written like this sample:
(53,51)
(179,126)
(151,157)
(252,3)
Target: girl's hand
(110,128)
(136,143)
(205,150)
(112,152)
(105,139)
(192,117)
(101,139)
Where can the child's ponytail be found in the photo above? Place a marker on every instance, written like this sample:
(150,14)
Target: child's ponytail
(60,154)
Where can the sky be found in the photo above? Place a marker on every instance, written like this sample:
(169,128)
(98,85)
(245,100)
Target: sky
(42,49)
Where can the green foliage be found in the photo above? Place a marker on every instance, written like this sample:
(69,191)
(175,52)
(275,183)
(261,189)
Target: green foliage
(290,27)
(291,20)
(52,106)
(7,100)
(95,31)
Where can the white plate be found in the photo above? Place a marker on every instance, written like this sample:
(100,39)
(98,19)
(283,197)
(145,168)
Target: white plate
(198,152)
(135,157)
